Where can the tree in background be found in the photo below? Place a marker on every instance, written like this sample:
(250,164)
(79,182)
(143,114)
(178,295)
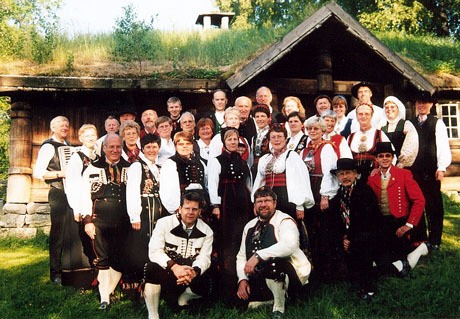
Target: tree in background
(438,17)
(394,15)
(268,13)
(133,40)
(28,29)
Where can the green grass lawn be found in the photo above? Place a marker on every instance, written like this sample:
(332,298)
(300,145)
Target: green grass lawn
(430,291)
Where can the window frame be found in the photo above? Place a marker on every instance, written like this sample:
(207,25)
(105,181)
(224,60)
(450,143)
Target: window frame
(439,113)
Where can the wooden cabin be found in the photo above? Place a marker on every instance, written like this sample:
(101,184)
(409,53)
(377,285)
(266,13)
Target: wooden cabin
(327,53)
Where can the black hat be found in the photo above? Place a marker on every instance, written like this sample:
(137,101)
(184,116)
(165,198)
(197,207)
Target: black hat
(424,96)
(355,88)
(384,147)
(322,96)
(125,109)
(344,164)
(150,138)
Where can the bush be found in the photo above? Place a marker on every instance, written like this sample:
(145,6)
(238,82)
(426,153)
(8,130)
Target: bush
(133,40)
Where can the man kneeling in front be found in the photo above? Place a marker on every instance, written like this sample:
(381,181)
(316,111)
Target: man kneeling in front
(180,253)
(270,256)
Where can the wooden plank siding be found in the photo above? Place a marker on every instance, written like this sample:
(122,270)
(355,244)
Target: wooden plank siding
(13,83)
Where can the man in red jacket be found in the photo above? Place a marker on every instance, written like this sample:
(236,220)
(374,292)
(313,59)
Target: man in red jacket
(401,203)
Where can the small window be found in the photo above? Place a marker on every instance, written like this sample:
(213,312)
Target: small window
(450,115)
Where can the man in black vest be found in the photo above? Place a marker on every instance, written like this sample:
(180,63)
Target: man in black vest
(430,165)
(104,214)
(270,262)
(48,169)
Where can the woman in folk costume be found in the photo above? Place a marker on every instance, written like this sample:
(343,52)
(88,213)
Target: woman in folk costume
(298,139)
(343,123)
(291,104)
(402,134)
(259,143)
(320,157)
(182,171)
(129,131)
(338,141)
(79,161)
(205,128)
(144,209)
(231,119)
(284,171)
(229,191)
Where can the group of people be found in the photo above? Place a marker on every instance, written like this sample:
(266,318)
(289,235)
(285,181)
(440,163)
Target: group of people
(242,201)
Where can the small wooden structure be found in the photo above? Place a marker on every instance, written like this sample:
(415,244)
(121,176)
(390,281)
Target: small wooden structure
(327,53)
(220,20)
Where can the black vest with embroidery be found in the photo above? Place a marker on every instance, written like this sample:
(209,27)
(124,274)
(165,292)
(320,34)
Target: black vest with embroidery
(233,170)
(397,137)
(257,239)
(189,171)
(112,189)
(54,164)
(85,160)
(426,163)
(149,185)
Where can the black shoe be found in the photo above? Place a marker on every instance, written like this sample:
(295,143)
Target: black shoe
(277,315)
(56,279)
(104,306)
(431,248)
(366,295)
(405,270)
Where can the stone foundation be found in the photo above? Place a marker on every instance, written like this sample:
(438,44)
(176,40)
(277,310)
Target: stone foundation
(24,220)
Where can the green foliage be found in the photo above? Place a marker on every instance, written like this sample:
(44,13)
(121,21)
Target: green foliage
(70,59)
(133,40)
(213,48)
(392,15)
(267,13)
(29,29)
(439,17)
(433,54)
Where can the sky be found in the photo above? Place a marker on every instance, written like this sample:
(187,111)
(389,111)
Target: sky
(95,16)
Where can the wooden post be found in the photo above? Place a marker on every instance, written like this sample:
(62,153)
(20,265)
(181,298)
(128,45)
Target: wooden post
(20,154)
(207,22)
(324,72)
(224,23)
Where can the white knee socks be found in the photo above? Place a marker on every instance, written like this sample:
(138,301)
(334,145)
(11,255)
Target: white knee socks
(414,256)
(114,279)
(152,299)
(278,289)
(186,296)
(103,277)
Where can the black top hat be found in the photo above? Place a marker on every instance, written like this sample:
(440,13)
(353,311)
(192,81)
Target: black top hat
(344,164)
(384,147)
(424,96)
(355,88)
